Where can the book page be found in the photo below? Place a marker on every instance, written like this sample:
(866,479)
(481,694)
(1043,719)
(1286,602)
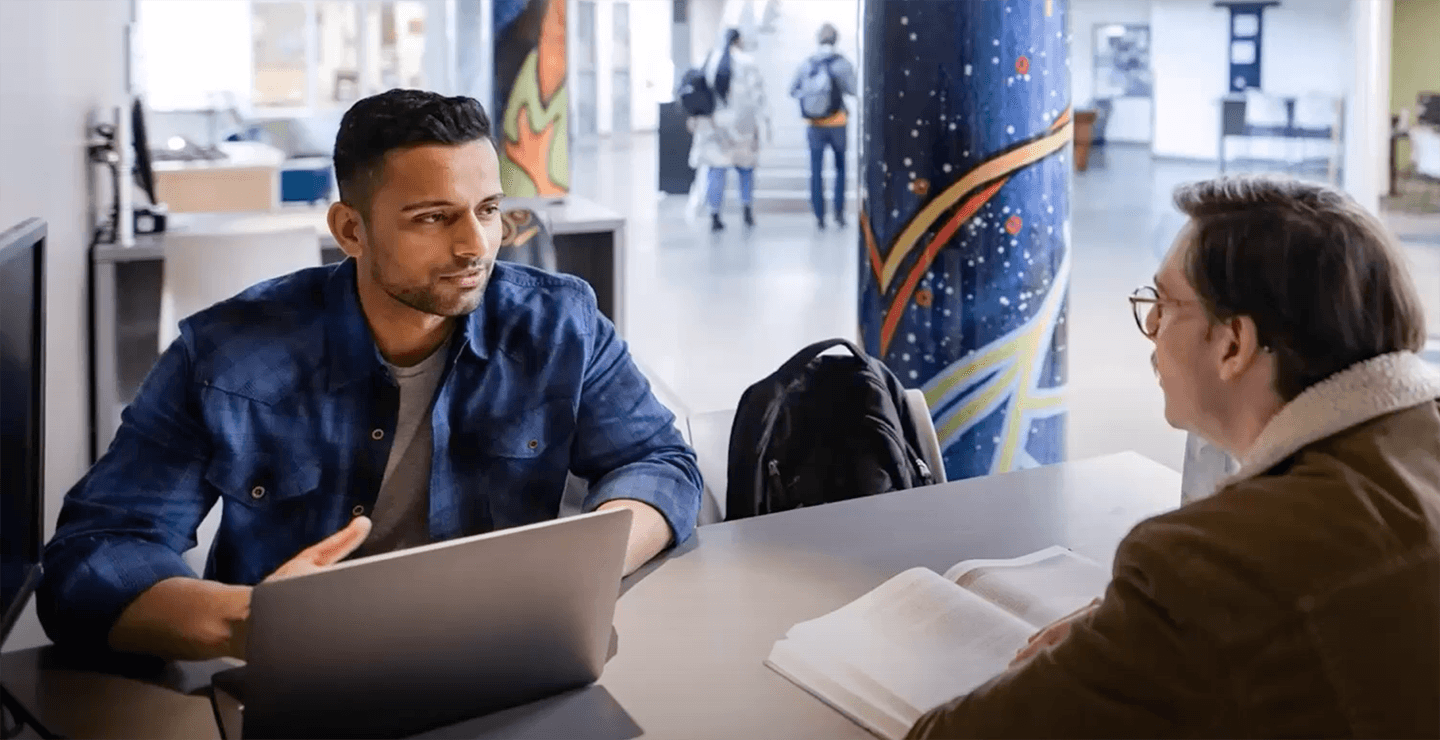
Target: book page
(841,687)
(1039,588)
(909,645)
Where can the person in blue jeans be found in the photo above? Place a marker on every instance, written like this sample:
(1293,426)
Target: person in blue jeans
(821,84)
(731,135)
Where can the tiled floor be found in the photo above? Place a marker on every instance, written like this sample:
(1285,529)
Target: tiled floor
(711,313)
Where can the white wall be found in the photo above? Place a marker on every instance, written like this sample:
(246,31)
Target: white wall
(1305,49)
(58,62)
(1189,39)
(652,73)
(706,17)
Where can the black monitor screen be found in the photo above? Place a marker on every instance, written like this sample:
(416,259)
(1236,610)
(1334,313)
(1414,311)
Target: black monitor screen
(22,434)
(144,175)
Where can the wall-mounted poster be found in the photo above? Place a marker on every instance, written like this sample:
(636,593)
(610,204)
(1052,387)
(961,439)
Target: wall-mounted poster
(1122,61)
(1247,29)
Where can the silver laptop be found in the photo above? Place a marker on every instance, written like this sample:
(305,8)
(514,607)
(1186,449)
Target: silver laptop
(403,642)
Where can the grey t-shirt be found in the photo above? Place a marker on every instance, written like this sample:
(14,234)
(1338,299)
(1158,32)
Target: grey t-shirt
(401,517)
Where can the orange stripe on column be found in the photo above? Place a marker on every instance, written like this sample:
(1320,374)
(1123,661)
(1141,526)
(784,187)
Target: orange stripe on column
(1001,165)
(965,212)
(870,247)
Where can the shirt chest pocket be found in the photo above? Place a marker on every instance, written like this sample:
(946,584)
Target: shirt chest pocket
(542,431)
(262,482)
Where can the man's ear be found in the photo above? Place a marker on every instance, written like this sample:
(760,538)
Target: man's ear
(347,228)
(1241,346)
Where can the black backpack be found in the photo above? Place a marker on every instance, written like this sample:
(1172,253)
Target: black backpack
(695,96)
(822,428)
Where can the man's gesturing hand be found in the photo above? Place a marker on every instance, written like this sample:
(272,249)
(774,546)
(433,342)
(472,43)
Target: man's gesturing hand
(312,559)
(185,618)
(326,552)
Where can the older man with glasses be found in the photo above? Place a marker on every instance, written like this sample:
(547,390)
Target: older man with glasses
(1205,464)
(1302,596)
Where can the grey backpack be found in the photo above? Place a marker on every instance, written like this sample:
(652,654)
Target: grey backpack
(819,94)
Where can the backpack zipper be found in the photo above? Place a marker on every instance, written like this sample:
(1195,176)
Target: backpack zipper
(900,441)
(776,481)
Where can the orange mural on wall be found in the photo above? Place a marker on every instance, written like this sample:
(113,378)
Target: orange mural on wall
(535,146)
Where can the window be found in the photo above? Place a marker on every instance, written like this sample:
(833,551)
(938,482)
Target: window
(326,54)
(279,37)
(402,44)
(338,60)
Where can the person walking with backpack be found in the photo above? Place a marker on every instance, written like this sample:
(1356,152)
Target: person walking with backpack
(730,87)
(821,84)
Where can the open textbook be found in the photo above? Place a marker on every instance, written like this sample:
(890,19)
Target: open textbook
(920,639)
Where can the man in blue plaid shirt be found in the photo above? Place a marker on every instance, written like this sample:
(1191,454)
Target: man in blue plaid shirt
(418,392)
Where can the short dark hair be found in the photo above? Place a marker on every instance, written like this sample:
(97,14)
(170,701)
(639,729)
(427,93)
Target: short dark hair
(1321,278)
(395,119)
(828,34)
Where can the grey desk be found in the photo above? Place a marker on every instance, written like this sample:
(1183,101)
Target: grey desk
(693,632)
(126,284)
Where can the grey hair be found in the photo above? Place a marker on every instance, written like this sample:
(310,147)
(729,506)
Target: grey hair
(828,34)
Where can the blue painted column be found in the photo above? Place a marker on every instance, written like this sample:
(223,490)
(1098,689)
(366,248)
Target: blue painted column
(965,219)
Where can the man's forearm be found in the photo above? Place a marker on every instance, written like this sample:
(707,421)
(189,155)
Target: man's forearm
(649,532)
(185,619)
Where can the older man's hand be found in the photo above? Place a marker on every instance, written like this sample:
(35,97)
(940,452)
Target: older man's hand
(1053,634)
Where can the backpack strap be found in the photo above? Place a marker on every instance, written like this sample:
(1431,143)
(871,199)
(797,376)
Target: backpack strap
(791,370)
(804,356)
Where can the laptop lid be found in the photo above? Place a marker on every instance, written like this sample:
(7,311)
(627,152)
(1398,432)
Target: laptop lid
(402,642)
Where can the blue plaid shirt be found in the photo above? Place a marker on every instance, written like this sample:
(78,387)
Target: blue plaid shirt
(277,403)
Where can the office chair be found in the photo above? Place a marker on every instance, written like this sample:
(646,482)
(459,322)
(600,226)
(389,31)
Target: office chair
(202,270)
(526,239)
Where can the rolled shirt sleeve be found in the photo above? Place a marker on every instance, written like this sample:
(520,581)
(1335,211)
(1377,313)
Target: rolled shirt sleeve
(124,525)
(626,444)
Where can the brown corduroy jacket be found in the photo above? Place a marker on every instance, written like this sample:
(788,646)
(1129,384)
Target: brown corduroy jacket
(1301,599)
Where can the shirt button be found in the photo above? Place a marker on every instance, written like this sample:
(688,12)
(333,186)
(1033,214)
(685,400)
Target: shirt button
(377,435)
(358,510)
(258,492)
(534,443)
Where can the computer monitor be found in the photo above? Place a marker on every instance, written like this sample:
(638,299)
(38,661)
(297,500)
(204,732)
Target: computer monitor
(22,415)
(144,174)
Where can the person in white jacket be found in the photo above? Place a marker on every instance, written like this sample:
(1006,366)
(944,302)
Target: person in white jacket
(731,136)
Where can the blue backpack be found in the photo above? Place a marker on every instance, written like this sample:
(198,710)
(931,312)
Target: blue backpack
(819,96)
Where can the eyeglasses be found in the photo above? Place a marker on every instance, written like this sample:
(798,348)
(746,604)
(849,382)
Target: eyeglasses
(1153,304)
(1150,298)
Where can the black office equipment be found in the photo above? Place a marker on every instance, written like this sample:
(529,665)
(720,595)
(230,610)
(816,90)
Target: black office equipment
(676,174)
(1428,105)
(149,219)
(22,412)
(22,435)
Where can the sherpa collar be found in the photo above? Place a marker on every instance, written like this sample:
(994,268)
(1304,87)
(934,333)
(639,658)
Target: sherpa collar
(1355,395)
